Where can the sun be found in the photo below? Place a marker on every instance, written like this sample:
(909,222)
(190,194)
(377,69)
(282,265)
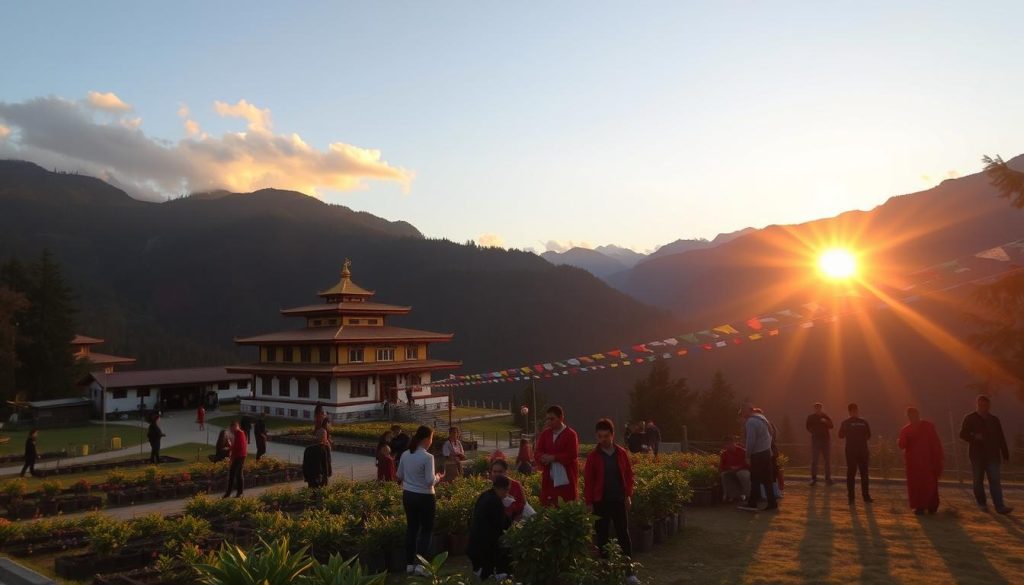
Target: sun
(837,264)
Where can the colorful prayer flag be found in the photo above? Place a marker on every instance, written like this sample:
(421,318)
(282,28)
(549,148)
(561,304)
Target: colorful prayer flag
(997,253)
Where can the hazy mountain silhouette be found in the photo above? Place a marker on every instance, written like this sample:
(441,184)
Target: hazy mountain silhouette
(594,262)
(172,283)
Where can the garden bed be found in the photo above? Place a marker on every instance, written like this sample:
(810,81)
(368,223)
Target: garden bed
(101,466)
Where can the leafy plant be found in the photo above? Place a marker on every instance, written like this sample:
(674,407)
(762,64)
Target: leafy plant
(117,478)
(382,533)
(268,564)
(612,570)
(51,489)
(151,474)
(81,486)
(15,488)
(434,572)
(325,533)
(108,536)
(9,531)
(203,506)
(338,571)
(543,547)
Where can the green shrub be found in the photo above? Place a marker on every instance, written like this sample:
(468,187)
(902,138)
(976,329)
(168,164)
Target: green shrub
(436,575)
(543,547)
(327,533)
(267,564)
(108,536)
(51,488)
(9,531)
(15,488)
(275,526)
(117,478)
(338,571)
(203,506)
(382,533)
(613,570)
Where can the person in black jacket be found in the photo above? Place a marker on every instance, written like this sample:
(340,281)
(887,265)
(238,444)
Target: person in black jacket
(245,423)
(399,443)
(31,453)
(489,523)
(818,425)
(652,437)
(856,431)
(316,461)
(154,435)
(987,451)
(260,430)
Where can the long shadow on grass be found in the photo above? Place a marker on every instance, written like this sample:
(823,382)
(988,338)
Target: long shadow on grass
(965,560)
(871,548)
(816,546)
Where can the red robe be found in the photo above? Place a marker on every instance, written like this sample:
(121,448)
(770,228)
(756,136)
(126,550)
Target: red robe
(922,453)
(567,452)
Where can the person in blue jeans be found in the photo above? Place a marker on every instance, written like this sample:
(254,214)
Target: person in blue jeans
(984,433)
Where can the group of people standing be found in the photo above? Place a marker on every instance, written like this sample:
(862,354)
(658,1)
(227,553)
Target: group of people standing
(643,437)
(749,469)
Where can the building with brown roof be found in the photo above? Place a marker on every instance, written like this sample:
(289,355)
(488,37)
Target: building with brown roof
(347,358)
(82,345)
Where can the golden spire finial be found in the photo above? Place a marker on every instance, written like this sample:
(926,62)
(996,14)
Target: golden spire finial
(346,269)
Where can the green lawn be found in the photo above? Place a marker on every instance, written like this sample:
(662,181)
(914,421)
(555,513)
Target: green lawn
(490,425)
(466,411)
(71,438)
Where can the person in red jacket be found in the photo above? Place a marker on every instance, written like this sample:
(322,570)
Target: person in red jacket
(734,470)
(239,449)
(558,449)
(608,487)
(515,502)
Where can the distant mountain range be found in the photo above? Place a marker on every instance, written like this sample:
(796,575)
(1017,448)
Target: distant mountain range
(606,261)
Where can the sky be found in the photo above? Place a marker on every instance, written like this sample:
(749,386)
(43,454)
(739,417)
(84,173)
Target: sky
(533,125)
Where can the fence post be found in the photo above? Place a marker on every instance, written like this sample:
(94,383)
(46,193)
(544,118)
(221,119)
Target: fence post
(686,440)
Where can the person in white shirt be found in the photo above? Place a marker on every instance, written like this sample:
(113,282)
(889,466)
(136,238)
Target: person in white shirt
(759,457)
(454,454)
(418,476)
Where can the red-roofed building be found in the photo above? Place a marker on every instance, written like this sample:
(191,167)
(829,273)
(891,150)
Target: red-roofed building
(346,358)
(82,345)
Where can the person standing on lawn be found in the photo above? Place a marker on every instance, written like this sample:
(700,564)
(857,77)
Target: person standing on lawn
(454,455)
(260,430)
(608,489)
(489,522)
(558,449)
(759,459)
(316,462)
(987,451)
(653,438)
(31,453)
(201,417)
(819,425)
(385,460)
(154,434)
(856,431)
(399,443)
(418,476)
(239,450)
(923,458)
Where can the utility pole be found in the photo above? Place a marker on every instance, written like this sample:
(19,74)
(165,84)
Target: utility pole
(533,391)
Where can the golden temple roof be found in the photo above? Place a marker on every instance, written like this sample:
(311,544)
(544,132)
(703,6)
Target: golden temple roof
(345,286)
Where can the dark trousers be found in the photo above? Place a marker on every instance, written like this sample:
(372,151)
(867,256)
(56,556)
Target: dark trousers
(419,524)
(822,448)
(981,468)
(857,461)
(612,512)
(261,449)
(30,466)
(235,477)
(762,475)
(490,561)
(154,454)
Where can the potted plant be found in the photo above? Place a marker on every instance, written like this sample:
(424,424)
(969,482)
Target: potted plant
(381,546)
(48,505)
(542,549)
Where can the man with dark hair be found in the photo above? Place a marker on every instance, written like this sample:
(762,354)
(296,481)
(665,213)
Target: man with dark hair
(608,488)
(558,448)
(31,453)
(239,449)
(154,434)
(636,442)
(819,425)
(399,443)
(488,524)
(515,502)
(987,451)
(759,459)
(856,431)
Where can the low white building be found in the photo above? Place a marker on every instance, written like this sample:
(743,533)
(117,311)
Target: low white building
(119,393)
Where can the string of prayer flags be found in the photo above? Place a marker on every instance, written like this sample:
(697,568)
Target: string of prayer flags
(997,253)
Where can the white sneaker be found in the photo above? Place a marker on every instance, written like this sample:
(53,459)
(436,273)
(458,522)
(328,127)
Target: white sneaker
(409,569)
(500,577)
(420,571)
(632,580)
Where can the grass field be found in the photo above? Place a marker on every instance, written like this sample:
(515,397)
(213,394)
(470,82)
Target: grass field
(188,452)
(70,438)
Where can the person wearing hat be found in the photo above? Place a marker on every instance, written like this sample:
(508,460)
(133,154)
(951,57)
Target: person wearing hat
(819,425)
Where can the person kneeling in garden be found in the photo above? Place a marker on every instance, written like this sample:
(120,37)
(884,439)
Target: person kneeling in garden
(515,506)
(608,489)
(735,472)
(489,522)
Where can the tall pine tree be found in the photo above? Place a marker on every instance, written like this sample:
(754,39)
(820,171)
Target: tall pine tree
(45,328)
(659,398)
(11,304)
(716,410)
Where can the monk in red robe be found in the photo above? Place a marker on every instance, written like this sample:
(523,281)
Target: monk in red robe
(922,452)
(557,454)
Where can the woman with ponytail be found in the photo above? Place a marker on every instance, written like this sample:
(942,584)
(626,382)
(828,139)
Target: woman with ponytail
(417,473)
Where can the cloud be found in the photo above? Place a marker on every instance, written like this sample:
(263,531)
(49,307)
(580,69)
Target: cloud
(258,119)
(71,135)
(107,101)
(562,246)
(4,131)
(490,241)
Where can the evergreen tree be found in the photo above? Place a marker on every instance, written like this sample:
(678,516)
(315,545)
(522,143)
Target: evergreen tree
(659,398)
(11,304)
(716,410)
(47,366)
